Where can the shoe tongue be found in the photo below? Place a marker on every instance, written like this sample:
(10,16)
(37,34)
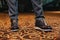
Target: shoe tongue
(44,21)
(14,20)
(14,23)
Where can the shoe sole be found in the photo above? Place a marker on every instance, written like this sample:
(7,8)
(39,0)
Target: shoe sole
(44,30)
(15,30)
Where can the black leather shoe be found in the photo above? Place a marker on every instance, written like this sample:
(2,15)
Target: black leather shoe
(14,25)
(14,29)
(42,26)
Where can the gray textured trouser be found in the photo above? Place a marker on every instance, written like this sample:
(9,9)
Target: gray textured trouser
(13,9)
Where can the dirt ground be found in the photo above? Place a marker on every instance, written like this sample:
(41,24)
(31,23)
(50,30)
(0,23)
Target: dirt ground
(27,32)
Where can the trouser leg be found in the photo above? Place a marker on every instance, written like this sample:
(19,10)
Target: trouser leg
(38,9)
(13,8)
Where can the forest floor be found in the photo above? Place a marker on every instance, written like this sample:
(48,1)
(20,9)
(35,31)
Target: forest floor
(27,32)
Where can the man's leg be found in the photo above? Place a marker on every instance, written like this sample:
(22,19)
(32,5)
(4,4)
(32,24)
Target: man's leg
(13,13)
(40,22)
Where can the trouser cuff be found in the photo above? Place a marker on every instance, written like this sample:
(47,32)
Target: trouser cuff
(39,18)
